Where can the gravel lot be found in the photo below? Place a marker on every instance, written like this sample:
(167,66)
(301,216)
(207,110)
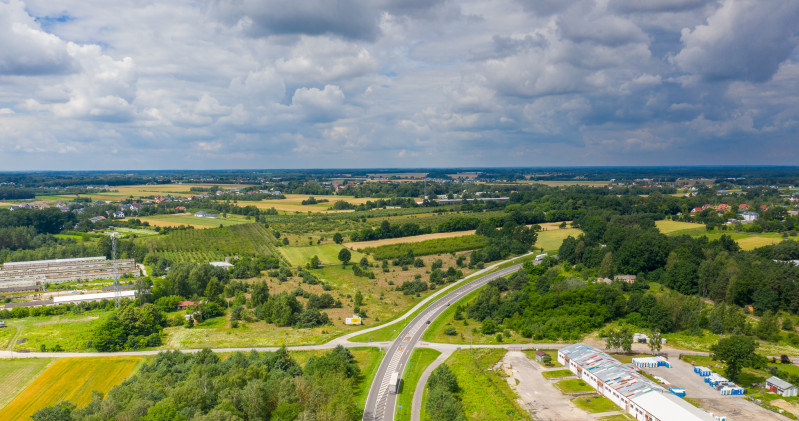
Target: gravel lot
(735,408)
(537,393)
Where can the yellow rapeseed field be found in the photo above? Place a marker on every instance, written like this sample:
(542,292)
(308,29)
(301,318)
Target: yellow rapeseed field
(71,379)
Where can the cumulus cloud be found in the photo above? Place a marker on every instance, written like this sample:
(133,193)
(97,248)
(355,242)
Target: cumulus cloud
(27,49)
(742,40)
(232,83)
(319,104)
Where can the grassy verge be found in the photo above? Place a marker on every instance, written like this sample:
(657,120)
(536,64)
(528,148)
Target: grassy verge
(17,374)
(420,359)
(557,373)
(390,332)
(595,404)
(485,394)
(573,386)
(368,359)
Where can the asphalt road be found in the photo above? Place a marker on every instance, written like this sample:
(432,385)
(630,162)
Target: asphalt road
(380,403)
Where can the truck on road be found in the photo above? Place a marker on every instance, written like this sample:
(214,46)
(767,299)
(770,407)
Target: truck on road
(393,386)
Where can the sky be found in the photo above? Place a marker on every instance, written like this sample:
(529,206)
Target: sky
(87,84)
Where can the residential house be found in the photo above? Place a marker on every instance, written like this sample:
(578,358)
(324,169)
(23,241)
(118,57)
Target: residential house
(96,219)
(625,278)
(749,217)
(539,356)
(743,207)
(119,214)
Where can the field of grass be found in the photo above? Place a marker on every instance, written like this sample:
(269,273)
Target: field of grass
(620,417)
(390,332)
(557,373)
(71,379)
(212,244)
(683,340)
(747,240)
(573,386)
(551,239)
(362,245)
(668,226)
(70,331)
(217,333)
(17,374)
(420,359)
(179,219)
(595,404)
(485,394)
(327,253)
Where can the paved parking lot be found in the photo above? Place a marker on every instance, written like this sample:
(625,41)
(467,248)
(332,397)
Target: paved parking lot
(735,408)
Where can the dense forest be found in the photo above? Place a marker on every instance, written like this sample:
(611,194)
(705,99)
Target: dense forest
(244,386)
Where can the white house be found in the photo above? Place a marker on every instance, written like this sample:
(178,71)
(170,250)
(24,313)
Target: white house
(749,217)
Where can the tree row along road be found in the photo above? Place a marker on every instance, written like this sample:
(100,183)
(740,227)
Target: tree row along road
(380,402)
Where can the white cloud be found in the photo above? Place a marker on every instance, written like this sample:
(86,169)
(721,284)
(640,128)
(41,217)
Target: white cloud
(314,83)
(742,40)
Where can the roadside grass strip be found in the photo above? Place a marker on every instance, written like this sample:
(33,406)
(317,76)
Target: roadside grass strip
(418,362)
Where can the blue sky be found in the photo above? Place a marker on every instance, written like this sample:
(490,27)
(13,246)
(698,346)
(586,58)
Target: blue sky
(390,83)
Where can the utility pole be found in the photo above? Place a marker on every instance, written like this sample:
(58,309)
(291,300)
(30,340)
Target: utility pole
(116,271)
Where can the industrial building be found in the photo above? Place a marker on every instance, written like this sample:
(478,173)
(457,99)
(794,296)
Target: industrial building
(34,274)
(623,384)
(781,387)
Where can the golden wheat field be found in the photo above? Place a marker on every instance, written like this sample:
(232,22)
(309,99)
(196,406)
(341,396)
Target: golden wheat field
(71,379)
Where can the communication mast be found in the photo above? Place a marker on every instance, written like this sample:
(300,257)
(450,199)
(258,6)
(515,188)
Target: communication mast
(116,271)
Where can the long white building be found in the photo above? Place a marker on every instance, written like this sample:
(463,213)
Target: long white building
(38,272)
(626,387)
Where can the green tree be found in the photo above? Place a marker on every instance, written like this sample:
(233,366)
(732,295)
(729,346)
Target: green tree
(315,262)
(767,328)
(358,300)
(655,341)
(61,411)
(736,352)
(344,256)
(338,238)
(606,268)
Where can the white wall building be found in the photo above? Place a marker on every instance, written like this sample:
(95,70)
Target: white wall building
(626,387)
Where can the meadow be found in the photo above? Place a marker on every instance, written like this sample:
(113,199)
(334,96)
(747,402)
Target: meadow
(327,253)
(69,331)
(71,379)
(551,239)
(485,395)
(747,240)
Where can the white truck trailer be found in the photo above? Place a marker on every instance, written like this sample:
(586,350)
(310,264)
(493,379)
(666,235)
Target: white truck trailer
(393,386)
